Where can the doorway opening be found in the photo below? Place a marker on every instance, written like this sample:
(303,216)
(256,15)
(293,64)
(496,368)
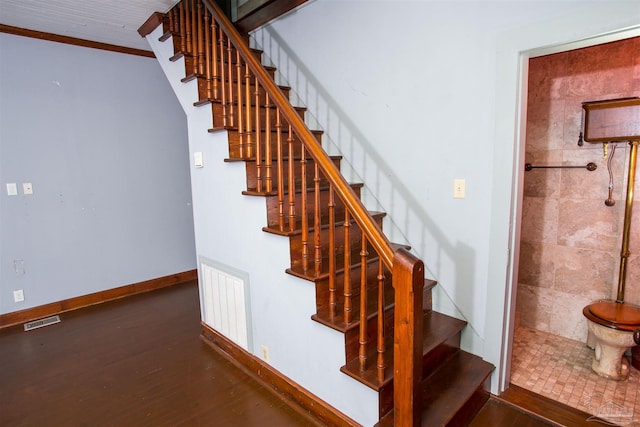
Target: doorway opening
(569,239)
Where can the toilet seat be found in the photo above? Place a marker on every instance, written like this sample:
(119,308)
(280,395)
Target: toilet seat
(614,315)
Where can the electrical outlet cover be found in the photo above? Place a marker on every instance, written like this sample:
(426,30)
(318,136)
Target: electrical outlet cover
(18,296)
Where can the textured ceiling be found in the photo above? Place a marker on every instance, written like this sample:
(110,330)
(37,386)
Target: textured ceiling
(108,21)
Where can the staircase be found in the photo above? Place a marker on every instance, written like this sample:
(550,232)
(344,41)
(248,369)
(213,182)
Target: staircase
(372,291)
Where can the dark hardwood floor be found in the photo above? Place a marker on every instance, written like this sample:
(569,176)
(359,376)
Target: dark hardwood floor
(139,361)
(499,414)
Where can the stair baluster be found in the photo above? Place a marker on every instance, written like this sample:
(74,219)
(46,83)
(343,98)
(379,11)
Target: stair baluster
(173,28)
(229,89)
(207,56)
(215,74)
(381,364)
(226,123)
(317,253)
(186,45)
(332,253)
(199,69)
(247,121)
(193,48)
(258,138)
(348,308)
(267,148)
(303,204)
(291,176)
(362,351)
(280,169)
(240,106)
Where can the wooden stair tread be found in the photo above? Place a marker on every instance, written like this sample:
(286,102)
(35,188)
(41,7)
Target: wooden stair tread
(450,386)
(323,273)
(437,329)
(206,101)
(354,185)
(233,130)
(324,221)
(167,34)
(284,158)
(428,283)
(312,275)
(338,323)
(445,392)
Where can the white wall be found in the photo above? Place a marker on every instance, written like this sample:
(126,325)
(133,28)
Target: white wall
(418,93)
(103,140)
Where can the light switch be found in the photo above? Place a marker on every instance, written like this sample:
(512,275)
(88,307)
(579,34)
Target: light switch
(27,188)
(198,160)
(458,188)
(12,189)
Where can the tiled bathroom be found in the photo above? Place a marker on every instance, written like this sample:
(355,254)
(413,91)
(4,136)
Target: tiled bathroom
(570,239)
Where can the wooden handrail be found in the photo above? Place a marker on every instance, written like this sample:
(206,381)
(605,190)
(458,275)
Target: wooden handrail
(360,214)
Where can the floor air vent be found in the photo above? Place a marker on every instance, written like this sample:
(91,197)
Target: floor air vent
(41,323)
(226,301)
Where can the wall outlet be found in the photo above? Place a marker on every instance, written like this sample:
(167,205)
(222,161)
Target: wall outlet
(27,188)
(18,296)
(265,353)
(18,266)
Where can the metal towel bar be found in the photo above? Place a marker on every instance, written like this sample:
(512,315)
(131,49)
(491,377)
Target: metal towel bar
(589,166)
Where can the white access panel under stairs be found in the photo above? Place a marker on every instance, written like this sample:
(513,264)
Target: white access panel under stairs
(226,301)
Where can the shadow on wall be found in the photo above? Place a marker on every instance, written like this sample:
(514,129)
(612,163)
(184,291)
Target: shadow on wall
(407,221)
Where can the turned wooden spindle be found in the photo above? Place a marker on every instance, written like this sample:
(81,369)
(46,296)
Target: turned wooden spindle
(291,179)
(240,105)
(380,365)
(268,173)
(258,138)
(183,27)
(362,338)
(229,85)
(223,80)
(215,66)
(317,241)
(207,56)
(248,130)
(304,213)
(172,21)
(193,49)
(280,171)
(199,69)
(332,253)
(187,17)
(347,270)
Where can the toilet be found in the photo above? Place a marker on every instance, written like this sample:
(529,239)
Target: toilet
(611,327)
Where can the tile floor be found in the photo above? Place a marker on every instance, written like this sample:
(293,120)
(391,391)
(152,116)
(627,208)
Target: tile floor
(560,369)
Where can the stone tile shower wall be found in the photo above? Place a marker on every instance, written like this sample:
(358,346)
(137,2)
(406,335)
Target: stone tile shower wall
(570,241)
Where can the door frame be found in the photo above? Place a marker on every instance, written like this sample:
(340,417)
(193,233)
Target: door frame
(514,52)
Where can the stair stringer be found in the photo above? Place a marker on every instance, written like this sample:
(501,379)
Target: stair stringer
(228,230)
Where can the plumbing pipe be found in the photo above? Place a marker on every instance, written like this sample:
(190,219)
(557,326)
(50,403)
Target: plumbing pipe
(624,252)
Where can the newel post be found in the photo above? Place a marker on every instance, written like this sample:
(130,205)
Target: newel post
(408,282)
